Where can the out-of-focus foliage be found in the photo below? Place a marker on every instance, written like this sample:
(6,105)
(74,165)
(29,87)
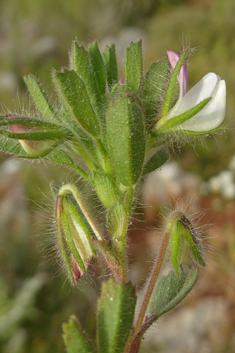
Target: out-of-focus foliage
(17,309)
(35,37)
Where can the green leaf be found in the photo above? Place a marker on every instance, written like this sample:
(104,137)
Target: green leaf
(156,161)
(86,146)
(171,290)
(134,67)
(117,89)
(98,68)
(115,316)
(75,339)
(60,157)
(154,86)
(105,188)
(126,138)
(80,63)
(35,137)
(38,136)
(116,219)
(72,91)
(110,61)
(39,97)
(12,119)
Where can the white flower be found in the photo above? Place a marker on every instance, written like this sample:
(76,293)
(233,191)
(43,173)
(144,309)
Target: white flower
(212,115)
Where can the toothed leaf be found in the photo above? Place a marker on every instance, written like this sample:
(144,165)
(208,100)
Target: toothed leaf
(75,339)
(80,63)
(98,68)
(110,60)
(73,93)
(134,67)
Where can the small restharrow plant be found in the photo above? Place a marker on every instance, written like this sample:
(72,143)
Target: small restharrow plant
(112,133)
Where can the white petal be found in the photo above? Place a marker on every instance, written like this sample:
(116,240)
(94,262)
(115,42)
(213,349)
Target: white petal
(212,115)
(202,90)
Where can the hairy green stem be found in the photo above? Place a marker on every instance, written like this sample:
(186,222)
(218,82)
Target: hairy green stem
(105,158)
(121,245)
(119,272)
(79,151)
(82,173)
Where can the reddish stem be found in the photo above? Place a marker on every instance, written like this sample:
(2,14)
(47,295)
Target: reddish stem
(132,346)
(152,282)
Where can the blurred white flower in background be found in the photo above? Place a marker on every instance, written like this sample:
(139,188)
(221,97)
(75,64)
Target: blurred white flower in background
(222,184)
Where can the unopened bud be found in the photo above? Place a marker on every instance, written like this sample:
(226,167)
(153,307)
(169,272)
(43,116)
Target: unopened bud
(36,137)
(73,238)
(186,247)
(32,148)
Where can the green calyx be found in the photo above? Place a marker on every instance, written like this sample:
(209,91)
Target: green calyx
(37,137)
(73,239)
(173,124)
(186,248)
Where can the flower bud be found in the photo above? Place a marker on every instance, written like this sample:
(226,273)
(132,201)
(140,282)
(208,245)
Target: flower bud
(73,238)
(32,148)
(36,137)
(186,248)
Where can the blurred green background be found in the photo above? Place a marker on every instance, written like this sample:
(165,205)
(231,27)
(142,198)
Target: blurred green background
(35,297)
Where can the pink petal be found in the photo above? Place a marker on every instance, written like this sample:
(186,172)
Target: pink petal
(183,74)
